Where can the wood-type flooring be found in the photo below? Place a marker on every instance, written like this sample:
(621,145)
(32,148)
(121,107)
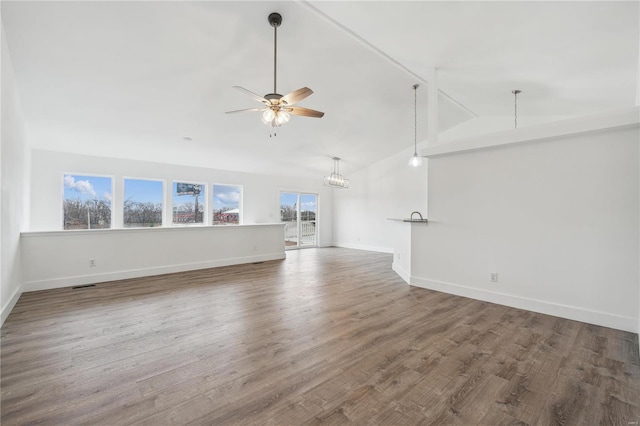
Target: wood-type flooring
(327,336)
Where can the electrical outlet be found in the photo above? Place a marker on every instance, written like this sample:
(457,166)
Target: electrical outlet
(92,263)
(493,277)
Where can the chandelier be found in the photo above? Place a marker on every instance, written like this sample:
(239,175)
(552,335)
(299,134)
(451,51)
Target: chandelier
(335,179)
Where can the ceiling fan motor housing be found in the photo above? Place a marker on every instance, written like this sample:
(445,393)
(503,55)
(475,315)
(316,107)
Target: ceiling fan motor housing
(273,97)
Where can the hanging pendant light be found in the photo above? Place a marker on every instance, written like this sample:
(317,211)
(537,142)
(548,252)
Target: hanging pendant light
(415,160)
(335,179)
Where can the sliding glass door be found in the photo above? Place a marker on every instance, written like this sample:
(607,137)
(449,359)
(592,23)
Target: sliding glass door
(308,212)
(289,215)
(299,213)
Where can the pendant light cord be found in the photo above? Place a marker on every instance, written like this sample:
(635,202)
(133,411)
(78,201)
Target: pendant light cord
(515,110)
(515,107)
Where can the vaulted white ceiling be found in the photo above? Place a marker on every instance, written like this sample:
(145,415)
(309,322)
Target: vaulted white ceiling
(132,79)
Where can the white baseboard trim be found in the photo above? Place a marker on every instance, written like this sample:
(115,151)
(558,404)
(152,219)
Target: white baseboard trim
(564,311)
(144,272)
(364,247)
(406,276)
(8,307)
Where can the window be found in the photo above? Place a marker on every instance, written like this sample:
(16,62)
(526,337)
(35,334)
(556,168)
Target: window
(87,202)
(226,204)
(188,203)
(142,203)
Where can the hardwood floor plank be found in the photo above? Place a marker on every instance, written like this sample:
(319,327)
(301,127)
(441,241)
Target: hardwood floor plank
(328,336)
(571,402)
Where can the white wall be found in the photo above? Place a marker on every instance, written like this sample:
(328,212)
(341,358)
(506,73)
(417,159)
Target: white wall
(61,258)
(14,170)
(557,219)
(401,238)
(387,189)
(261,199)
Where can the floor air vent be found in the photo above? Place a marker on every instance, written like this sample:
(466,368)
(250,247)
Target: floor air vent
(83,286)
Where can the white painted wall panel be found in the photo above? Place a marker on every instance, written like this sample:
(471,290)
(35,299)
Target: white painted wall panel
(14,169)
(61,259)
(556,219)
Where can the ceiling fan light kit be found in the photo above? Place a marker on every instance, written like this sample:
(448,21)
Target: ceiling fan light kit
(278,109)
(335,179)
(275,118)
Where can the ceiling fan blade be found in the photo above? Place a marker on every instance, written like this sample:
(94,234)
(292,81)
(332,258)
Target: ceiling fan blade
(297,95)
(246,110)
(253,95)
(305,112)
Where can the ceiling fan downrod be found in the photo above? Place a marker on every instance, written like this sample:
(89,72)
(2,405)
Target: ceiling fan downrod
(275,20)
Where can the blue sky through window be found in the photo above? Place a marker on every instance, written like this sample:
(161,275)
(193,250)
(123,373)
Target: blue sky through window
(143,191)
(308,202)
(87,187)
(226,196)
(288,199)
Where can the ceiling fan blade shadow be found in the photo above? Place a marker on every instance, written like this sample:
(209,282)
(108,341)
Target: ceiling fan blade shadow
(304,112)
(245,110)
(253,95)
(297,95)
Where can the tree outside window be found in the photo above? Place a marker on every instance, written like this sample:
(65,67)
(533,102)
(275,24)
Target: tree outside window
(142,203)
(86,202)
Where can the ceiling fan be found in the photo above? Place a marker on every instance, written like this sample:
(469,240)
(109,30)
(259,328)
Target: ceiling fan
(277,108)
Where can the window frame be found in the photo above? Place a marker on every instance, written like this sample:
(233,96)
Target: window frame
(164,200)
(89,175)
(205,202)
(240,203)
